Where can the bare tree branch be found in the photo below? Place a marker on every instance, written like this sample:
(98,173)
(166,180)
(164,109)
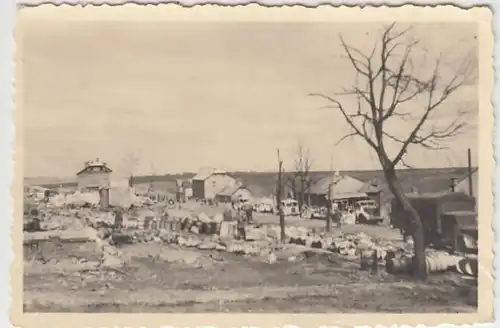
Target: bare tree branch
(395,90)
(347,118)
(391,83)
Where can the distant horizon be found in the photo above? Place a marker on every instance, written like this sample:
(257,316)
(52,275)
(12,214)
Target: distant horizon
(62,178)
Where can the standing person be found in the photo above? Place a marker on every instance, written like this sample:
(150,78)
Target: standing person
(118,224)
(228,213)
(248,212)
(242,226)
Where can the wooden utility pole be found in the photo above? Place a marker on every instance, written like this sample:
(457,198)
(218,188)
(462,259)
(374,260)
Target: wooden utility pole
(469,167)
(329,199)
(279,188)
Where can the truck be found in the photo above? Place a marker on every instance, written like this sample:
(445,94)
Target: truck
(449,220)
(290,207)
(367,212)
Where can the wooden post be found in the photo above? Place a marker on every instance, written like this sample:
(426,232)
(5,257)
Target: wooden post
(469,166)
(453,184)
(329,213)
(329,209)
(104,198)
(279,188)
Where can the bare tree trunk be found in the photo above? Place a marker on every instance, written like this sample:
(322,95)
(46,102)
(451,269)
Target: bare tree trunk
(415,223)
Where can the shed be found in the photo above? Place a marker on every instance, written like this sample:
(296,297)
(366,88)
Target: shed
(208,183)
(342,188)
(94,176)
(233,193)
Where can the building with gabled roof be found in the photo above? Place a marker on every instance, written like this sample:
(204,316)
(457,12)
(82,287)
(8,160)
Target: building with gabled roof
(94,175)
(208,182)
(343,188)
(233,193)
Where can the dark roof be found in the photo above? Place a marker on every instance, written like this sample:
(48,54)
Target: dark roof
(207,172)
(257,190)
(466,176)
(370,187)
(230,190)
(206,176)
(438,195)
(87,168)
(342,184)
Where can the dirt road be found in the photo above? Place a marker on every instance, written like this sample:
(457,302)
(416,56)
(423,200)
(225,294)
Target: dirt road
(241,284)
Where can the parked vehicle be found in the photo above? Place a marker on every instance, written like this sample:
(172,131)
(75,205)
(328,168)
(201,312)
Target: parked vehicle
(290,207)
(319,213)
(449,219)
(264,206)
(367,212)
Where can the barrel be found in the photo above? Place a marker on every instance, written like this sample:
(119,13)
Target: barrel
(389,261)
(170,224)
(366,258)
(213,228)
(163,223)
(154,224)
(186,224)
(201,227)
(176,225)
(468,266)
(397,265)
(147,223)
(436,263)
(316,244)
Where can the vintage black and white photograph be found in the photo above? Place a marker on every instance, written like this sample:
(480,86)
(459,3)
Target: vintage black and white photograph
(252,166)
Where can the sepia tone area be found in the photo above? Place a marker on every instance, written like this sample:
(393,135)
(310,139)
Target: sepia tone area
(253,166)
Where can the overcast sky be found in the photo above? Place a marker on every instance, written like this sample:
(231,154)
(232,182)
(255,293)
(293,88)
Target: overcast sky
(184,95)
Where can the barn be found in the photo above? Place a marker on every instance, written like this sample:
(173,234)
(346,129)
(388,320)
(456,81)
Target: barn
(208,183)
(95,175)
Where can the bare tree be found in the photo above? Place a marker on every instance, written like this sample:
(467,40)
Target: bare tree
(391,92)
(300,180)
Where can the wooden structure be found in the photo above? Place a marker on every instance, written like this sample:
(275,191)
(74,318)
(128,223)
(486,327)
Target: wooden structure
(448,218)
(341,189)
(233,193)
(206,185)
(94,176)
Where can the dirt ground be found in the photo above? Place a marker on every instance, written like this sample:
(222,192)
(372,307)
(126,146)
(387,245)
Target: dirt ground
(162,278)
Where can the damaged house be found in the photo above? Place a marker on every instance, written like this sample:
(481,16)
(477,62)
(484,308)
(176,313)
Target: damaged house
(95,175)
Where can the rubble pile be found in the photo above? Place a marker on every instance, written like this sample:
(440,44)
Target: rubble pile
(69,250)
(65,219)
(75,199)
(348,245)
